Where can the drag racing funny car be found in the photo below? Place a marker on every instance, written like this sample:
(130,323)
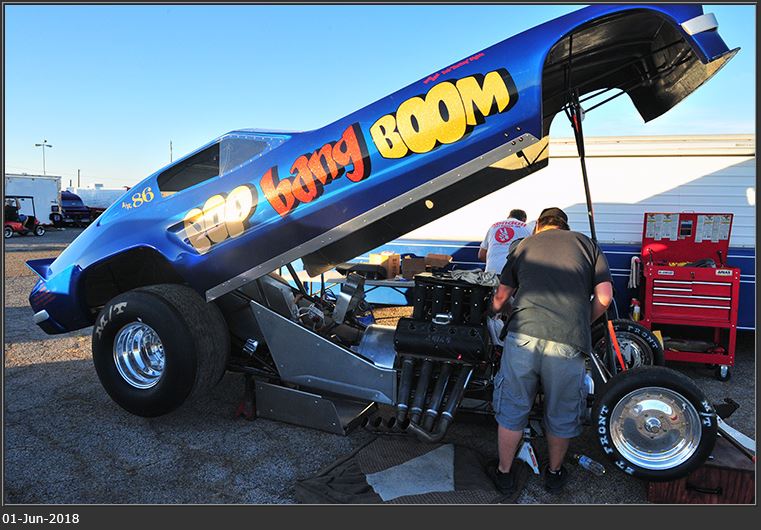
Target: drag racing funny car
(178,277)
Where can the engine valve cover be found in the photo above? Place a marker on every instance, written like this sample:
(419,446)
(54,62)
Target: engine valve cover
(457,342)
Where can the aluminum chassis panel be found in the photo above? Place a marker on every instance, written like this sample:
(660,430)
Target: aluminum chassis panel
(305,358)
(309,410)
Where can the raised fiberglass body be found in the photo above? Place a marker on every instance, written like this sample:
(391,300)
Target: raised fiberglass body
(251,201)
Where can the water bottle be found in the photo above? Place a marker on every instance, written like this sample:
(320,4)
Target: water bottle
(589,464)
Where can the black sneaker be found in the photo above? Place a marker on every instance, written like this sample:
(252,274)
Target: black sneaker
(554,482)
(504,482)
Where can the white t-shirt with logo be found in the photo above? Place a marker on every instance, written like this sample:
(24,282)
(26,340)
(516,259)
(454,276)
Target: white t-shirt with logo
(498,239)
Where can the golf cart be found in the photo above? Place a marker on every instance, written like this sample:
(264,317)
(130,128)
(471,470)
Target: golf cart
(16,222)
(177,277)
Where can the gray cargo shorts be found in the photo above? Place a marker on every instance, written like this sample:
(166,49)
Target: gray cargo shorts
(525,362)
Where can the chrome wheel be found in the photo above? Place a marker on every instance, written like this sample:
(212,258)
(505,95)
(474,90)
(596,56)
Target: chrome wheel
(633,351)
(655,428)
(139,355)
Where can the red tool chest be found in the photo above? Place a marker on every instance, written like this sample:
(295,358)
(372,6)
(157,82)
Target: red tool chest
(677,292)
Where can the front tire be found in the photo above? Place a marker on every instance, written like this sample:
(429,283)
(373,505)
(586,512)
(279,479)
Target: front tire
(639,346)
(156,347)
(654,423)
(39,230)
(7,232)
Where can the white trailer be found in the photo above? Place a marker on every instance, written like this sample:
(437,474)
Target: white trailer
(628,177)
(44,191)
(97,196)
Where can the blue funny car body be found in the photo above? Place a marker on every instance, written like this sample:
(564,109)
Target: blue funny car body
(251,201)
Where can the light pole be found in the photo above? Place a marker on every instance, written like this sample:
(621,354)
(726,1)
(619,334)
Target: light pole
(44,144)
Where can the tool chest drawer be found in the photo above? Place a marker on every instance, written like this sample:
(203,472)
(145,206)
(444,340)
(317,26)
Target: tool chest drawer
(721,289)
(690,293)
(689,311)
(708,290)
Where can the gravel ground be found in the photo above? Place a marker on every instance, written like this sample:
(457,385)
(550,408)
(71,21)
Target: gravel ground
(67,442)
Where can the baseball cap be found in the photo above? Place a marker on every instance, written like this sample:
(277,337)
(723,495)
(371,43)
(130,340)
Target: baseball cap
(553,212)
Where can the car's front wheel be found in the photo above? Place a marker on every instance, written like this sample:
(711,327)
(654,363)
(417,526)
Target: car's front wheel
(156,347)
(654,423)
(39,230)
(638,345)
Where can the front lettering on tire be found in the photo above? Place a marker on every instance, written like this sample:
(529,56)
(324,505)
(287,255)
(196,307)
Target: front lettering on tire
(602,430)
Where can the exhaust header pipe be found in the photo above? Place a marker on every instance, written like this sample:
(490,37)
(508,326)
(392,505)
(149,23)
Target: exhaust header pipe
(408,370)
(421,390)
(438,396)
(453,401)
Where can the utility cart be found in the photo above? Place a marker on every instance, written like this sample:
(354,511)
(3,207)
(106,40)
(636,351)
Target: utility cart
(688,283)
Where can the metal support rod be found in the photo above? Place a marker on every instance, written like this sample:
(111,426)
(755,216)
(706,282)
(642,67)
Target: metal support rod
(602,371)
(297,281)
(576,115)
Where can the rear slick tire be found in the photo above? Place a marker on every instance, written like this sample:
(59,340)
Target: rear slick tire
(654,423)
(156,347)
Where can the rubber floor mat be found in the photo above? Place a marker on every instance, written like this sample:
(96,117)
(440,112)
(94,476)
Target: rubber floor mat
(406,471)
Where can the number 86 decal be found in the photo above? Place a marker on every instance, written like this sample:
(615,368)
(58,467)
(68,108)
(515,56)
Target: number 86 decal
(220,218)
(139,198)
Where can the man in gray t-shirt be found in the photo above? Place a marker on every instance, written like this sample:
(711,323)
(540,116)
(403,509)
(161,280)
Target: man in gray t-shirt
(561,284)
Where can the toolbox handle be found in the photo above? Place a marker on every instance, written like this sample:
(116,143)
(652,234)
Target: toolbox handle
(707,491)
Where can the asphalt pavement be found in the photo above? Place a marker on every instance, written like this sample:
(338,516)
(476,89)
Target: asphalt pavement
(67,442)
(54,240)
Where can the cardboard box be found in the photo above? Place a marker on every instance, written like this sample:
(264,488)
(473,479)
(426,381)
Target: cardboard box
(389,261)
(412,266)
(437,261)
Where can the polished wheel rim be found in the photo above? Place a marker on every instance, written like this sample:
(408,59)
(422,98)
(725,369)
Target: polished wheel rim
(139,355)
(655,428)
(632,350)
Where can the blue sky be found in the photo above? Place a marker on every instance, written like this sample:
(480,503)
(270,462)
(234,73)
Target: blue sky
(110,86)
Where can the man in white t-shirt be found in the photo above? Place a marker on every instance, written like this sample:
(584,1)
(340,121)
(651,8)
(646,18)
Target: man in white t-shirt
(496,244)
